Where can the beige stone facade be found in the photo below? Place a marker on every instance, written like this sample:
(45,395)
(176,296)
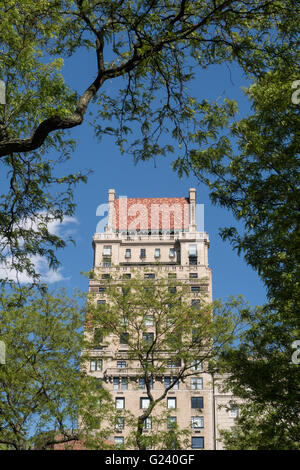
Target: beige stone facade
(157,236)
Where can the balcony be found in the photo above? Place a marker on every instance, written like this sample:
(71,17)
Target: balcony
(122,371)
(152,237)
(137,371)
(157,267)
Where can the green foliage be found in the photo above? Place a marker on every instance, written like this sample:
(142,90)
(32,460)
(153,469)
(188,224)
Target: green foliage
(164,334)
(259,183)
(149,52)
(261,427)
(263,374)
(43,391)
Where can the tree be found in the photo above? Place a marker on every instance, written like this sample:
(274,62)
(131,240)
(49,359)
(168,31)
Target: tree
(150,51)
(260,184)
(264,372)
(161,331)
(45,398)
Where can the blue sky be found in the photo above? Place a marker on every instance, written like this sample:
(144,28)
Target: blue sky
(231,275)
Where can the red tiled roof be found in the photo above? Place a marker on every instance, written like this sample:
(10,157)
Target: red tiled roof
(161,213)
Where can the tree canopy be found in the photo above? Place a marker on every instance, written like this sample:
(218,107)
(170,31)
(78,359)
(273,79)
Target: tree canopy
(45,397)
(260,184)
(150,51)
(164,334)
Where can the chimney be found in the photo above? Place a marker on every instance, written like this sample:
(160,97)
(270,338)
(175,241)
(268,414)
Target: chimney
(192,218)
(111,210)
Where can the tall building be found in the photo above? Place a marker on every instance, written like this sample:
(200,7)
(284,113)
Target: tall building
(157,237)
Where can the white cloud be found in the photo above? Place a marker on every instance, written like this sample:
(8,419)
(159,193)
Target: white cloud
(40,263)
(59,228)
(41,266)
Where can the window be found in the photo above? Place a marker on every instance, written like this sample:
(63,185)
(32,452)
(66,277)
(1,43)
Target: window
(120,403)
(193,255)
(120,383)
(101,304)
(196,365)
(148,289)
(142,383)
(124,338)
(197,402)
(107,250)
(196,335)
(149,276)
(119,441)
(171,422)
(125,290)
(119,423)
(98,382)
(144,403)
(127,276)
(148,337)
(174,444)
(105,276)
(124,383)
(195,288)
(98,338)
(197,442)
(196,304)
(116,382)
(148,363)
(124,321)
(192,250)
(171,403)
(172,252)
(149,321)
(174,363)
(172,275)
(234,411)
(169,380)
(121,364)
(172,289)
(148,423)
(127,253)
(175,384)
(193,275)
(95,364)
(196,383)
(143,253)
(106,263)
(197,422)
(157,253)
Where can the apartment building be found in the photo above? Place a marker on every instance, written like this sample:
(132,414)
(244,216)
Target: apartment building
(157,237)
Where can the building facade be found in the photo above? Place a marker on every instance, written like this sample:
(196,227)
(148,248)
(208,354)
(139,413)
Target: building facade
(157,237)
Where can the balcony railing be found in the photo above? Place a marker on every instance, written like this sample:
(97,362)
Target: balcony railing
(172,267)
(137,371)
(137,237)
